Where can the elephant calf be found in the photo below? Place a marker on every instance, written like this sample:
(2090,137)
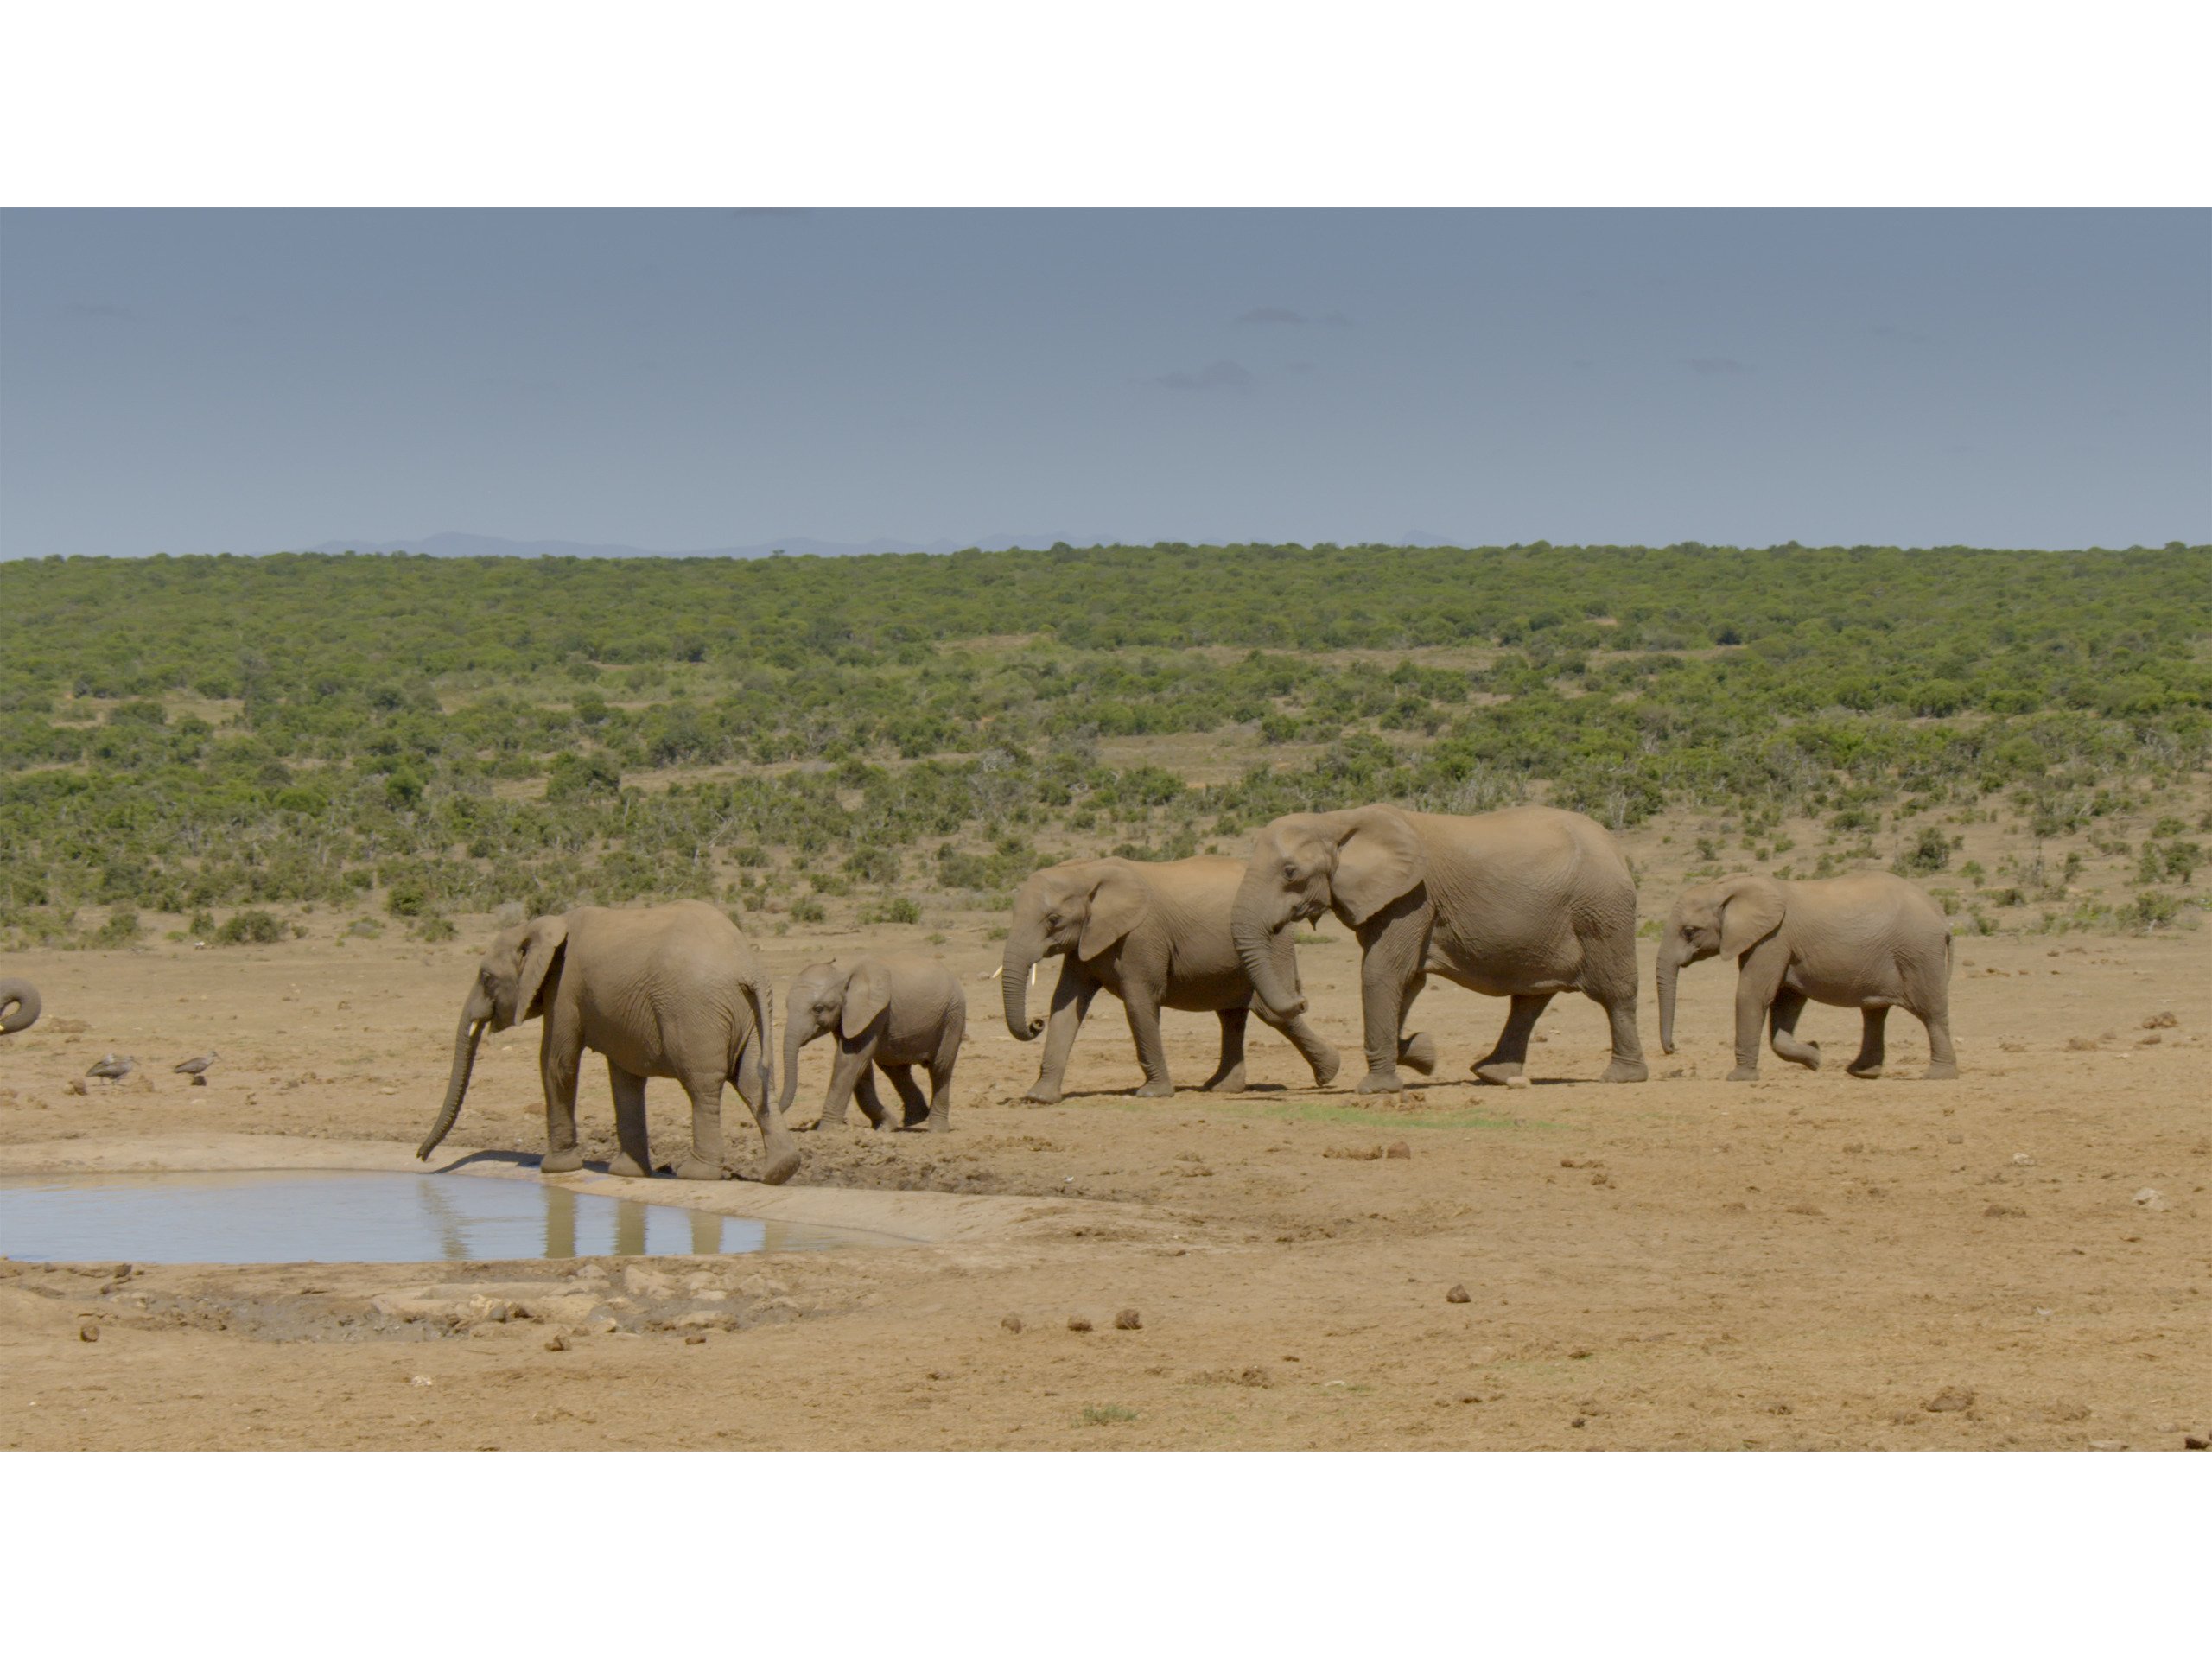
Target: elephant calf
(1870,941)
(669,991)
(887,1012)
(1156,936)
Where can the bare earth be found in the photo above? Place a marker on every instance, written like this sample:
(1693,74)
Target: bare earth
(1805,1261)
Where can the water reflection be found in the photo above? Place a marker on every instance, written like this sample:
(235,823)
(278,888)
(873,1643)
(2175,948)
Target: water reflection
(359,1215)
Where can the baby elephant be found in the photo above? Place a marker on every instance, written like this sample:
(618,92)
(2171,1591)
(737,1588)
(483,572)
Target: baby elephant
(891,1012)
(1869,942)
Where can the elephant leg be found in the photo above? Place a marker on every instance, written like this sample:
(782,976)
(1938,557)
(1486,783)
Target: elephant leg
(1942,1061)
(1782,1030)
(940,1117)
(704,1161)
(1758,983)
(1393,945)
(849,1072)
(872,1107)
(1308,1042)
(779,1152)
(1418,1052)
(635,1157)
(1228,1076)
(559,1056)
(1872,1049)
(1509,1057)
(915,1111)
(1071,1002)
(1609,980)
(1152,1047)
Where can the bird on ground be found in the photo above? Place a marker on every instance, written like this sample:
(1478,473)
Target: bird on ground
(114,1069)
(196,1067)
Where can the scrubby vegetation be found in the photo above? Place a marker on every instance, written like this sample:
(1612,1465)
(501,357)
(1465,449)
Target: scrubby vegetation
(415,738)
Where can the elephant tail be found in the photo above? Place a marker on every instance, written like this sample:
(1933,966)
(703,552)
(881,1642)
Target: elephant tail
(761,993)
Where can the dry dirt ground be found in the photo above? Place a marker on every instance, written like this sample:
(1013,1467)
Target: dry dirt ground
(2016,1259)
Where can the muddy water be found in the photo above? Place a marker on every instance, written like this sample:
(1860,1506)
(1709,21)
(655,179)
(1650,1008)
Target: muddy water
(292,1215)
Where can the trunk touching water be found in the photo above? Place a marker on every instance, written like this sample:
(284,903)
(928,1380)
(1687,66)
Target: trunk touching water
(464,1060)
(1252,925)
(1023,948)
(1669,968)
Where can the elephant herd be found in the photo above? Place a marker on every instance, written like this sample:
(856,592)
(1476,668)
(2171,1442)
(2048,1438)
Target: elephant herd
(1522,904)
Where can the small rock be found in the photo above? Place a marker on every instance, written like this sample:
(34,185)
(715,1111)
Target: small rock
(1950,1399)
(420,1382)
(556,1344)
(1397,1149)
(2162,1020)
(694,1339)
(88,1333)
(1077,1322)
(1458,1293)
(2196,1443)
(2149,1198)
(2023,1160)
(2107,1446)
(1012,1322)
(1128,1319)
(1578,1422)
(123,1270)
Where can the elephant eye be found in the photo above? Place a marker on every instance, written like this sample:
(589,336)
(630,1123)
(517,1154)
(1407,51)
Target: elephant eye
(1290,872)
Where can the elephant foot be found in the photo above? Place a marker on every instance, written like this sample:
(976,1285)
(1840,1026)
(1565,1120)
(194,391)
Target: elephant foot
(623,1164)
(696,1168)
(1383,1080)
(1154,1089)
(1230,1082)
(1943,1071)
(935,1123)
(1624,1072)
(1418,1052)
(779,1168)
(1043,1095)
(1867,1071)
(1498,1070)
(1744,1074)
(1806,1055)
(566,1161)
(1325,1069)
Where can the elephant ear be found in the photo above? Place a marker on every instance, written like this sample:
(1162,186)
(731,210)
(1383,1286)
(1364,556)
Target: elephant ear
(1379,859)
(1118,903)
(867,993)
(541,947)
(1750,908)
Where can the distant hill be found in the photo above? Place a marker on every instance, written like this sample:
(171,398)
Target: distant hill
(457,544)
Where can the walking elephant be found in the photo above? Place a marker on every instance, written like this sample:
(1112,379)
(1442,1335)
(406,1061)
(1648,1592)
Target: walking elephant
(669,991)
(890,1013)
(1870,941)
(1525,903)
(19,1005)
(1156,936)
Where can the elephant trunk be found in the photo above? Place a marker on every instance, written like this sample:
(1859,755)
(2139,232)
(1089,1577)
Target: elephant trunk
(473,1018)
(19,1005)
(1671,964)
(1024,946)
(799,1030)
(1254,918)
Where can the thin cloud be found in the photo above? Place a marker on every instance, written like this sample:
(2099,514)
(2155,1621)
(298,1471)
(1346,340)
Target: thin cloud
(1717,365)
(1271,314)
(1335,319)
(84,311)
(1223,376)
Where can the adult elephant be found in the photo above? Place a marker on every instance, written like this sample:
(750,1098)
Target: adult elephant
(668,991)
(1870,941)
(1156,936)
(19,1005)
(1525,903)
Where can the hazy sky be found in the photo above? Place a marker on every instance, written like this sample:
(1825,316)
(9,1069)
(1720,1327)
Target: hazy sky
(194,381)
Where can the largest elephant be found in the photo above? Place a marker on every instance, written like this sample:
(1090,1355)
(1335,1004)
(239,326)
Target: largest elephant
(19,1005)
(1525,903)
(666,991)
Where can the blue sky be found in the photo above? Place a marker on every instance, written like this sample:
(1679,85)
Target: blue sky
(195,381)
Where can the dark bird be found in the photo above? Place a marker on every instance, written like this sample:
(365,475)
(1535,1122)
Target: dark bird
(196,1067)
(114,1069)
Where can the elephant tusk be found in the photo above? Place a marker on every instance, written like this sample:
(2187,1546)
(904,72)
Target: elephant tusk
(997,972)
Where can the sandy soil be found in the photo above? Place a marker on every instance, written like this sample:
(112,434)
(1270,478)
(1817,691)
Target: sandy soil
(1805,1261)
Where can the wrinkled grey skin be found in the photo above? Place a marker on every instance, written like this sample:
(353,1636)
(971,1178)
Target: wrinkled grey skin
(669,991)
(1871,941)
(1524,904)
(887,1013)
(19,1005)
(1157,936)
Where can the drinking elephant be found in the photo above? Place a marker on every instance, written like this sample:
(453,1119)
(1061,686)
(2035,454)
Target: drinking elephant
(1156,936)
(1868,941)
(1524,904)
(669,991)
(891,1013)
(19,1005)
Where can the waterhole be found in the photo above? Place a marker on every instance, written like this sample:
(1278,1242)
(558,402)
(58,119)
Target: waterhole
(295,1215)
